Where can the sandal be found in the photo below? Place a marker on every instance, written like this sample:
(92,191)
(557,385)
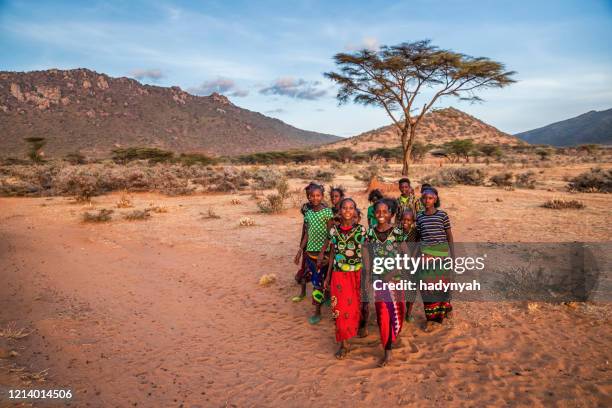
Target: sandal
(340,354)
(297,299)
(314,319)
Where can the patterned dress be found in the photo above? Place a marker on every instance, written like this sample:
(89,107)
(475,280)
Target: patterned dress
(346,243)
(316,227)
(390,306)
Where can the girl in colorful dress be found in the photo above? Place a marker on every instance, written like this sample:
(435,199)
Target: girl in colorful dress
(315,227)
(407,199)
(344,274)
(385,240)
(436,241)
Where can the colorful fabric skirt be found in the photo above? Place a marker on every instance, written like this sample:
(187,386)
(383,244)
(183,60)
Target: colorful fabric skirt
(437,304)
(390,311)
(317,275)
(346,303)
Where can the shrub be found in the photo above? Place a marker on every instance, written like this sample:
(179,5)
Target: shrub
(324,175)
(558,204)
(246,222)
(525,180)
(212,214)
(36,143)
(138,215)
(82,183)
(273,203)
(502,179)
(152,154)
(370,172)
(103,215)
(75,158)
(300,173)
(595,180)
(190,159)
(265,178)
(470,176)
(282,187)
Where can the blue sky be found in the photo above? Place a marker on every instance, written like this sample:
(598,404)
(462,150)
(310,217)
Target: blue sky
(269,56)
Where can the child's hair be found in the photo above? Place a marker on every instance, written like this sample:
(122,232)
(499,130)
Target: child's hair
(403,180)
(340,190)
(431,190)
(375,195)
(425,185)
(341,203)
(391,204)
(406,212)
(314,186)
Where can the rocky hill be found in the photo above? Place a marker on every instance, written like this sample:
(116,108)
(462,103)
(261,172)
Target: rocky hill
(589,128)
(437,128)
(82,110)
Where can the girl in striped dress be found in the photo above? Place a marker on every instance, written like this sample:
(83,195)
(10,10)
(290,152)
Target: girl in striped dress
(436,241)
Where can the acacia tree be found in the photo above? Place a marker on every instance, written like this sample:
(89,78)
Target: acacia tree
(394,76)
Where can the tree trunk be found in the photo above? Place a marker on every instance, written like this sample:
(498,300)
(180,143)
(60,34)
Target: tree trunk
(407,142)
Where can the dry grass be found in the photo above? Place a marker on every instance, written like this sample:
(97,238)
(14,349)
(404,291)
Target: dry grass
(158,209)
(12,332)
(125,201)
(211,214)
(138,215)
(103,215)
(267,280)
(560,204)
(246,222)
(272,204)
(235,201)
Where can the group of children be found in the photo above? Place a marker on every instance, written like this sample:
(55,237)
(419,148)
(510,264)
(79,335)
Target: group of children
(334,248)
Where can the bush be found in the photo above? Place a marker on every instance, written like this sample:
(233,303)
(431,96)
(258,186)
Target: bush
(265,178)
(525,180)
(282,188)
(502,179)
(595,180)
(370,172)
(300,173)
(103,215)
(75,158)
(152,154)
(82,183)
(138,215)
(558,204)
(273,203)
(470,176)
(324,175)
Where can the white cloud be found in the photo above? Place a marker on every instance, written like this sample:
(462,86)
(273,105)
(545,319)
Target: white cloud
(140,74)
(295,88)
(220,85)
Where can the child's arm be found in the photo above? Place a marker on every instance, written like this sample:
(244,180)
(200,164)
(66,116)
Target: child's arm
(451,244)
(302,246)
(330,268)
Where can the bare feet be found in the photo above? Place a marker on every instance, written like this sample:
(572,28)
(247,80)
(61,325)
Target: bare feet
(363,332)
(432,326)
(341,353)
(386,359)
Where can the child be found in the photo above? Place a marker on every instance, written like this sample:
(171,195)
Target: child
(409,235)
(406,200)
(336,195)
(383,241)
(436,240)
(315,227)
(344,274)
(302,276)
(373,197)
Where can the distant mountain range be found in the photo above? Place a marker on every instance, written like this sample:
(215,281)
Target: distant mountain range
(594,127)
(438,127)
(82,110)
